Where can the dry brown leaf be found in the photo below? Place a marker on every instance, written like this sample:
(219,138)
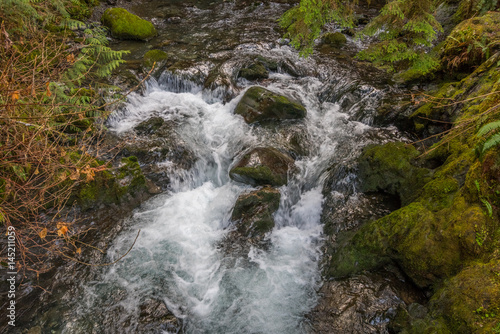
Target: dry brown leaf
(62,231)
(43,233)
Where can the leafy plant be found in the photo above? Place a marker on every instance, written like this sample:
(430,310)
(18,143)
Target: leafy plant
(49,100)
(491,132)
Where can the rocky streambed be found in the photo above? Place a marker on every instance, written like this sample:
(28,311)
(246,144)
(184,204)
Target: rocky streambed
(252,155)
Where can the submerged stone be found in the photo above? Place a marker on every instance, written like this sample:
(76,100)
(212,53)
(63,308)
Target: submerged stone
(125,25)
(259,105)
(253,212)
(263,166)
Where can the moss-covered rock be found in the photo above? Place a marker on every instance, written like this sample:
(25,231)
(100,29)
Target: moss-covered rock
(125,25)
(254,211)
(108,188)
(255,71)
(154,56)
(470,301)
(263,166)
(465,98)
(336,39)
(472,41)
(260,105)
(390,168)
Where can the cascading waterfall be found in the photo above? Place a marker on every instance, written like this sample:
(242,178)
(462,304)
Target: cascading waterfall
(177,257)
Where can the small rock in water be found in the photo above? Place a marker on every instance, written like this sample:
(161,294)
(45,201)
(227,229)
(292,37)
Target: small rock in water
(259,105)
(263,166)
(253,212)
(154,315)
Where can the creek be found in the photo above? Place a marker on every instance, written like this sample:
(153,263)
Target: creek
(178,258)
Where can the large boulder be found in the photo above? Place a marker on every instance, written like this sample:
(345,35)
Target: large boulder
(263,166)
(253,212)
(390,168)
(260,105)
(125,25)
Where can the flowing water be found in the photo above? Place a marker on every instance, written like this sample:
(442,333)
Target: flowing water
(177,257)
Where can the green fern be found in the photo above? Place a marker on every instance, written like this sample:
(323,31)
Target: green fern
(491,132)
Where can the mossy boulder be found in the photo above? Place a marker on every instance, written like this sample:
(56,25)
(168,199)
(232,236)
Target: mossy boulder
(125,25)
(471,41)
(428,246)
(154,56)
(470,301)
(259,105)
(255,71)
(254,211)
(263,166)
(336,39)
(390,168)
(108,188)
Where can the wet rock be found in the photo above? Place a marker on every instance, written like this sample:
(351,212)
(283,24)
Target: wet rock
(260,105)
(155,57)
(253,212)
(158,148)
(336,39)
(255,71)
(361,304)
(263,166)
(125,25)
(154,317)
(149,126)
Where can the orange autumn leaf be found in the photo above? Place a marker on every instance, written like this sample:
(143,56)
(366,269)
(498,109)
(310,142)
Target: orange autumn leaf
(79,251)
(43,233)
(61,229)
(15,96)
(49,93)
(70,58)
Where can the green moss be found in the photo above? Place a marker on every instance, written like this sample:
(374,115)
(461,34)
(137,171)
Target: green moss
(154,56)
(125,25)
(261,105)
(336,39)
(389,168)
(439,193)
(470,301)
(471,41)
(108,188)
(255,71)
(254,211)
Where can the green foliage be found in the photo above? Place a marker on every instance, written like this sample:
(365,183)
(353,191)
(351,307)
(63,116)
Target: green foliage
(470,8)
(471,42)
(491,132)
(303,23)
(96,59)
(406,30)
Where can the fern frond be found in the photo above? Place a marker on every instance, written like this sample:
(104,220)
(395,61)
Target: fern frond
(491,142)
(485,129)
